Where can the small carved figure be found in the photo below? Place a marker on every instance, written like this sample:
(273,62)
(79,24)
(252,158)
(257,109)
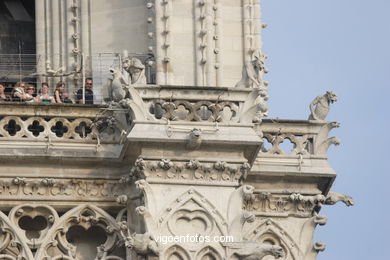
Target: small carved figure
(142,244)
(247,195)
(136,70)
(116,90)
(257,251)
(194,139)
(334,197)
(320,106)
(251,72)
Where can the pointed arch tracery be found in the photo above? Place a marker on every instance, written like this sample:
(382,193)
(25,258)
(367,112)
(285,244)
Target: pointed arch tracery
(268,231)
(87,218)
(192,205)
(176,252)
(208,253)
(12,244)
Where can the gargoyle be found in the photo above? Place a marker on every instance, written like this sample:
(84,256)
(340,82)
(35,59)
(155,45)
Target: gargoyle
(123,95)
(116,86)
(333,197)
(142,244)
(136,70)
(194,139)
(320,106)
(257,251)
(251,72)
(247,195)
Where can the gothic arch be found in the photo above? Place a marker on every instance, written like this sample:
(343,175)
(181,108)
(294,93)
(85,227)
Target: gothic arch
(11,237)
(208,253)
(84,218)
(211,216)
(176,252)
(270,232)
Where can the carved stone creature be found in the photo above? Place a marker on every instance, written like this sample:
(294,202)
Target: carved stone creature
(136,70)
(194,139)
(116,90)
(320,106)
(334,197)
(142,244)
(251,72)
(257,251)
(123,94)
(102,124)
(247,195)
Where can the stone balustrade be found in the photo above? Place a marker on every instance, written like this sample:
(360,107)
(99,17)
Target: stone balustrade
(307,137)
(48,121)
(68,130)
(196,104)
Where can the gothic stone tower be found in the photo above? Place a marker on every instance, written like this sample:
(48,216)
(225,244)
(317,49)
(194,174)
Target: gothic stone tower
(160,170)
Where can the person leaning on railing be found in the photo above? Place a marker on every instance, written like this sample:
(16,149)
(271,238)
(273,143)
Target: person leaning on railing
(60,95)
(88,93)
(44,96)
(30,95)
(18,92)
(3,96)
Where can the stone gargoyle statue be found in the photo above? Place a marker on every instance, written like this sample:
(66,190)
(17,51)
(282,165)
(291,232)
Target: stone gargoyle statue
(257,251)
(320,106)
(194,139)
(136,70)
(333,197)
(251,72)
(142,244)
(124,95)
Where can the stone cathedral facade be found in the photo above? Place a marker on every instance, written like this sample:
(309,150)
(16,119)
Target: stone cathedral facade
(177,159)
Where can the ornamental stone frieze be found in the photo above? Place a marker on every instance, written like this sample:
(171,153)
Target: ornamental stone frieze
(188,172)
(56,189)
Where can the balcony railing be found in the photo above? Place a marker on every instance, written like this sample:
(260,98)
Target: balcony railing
(35,69)
(295,139)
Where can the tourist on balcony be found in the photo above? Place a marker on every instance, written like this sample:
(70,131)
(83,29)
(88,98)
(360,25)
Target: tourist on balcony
(3,96)
(60,95)
(30,95)
(88,93)
(44,96)
(18,92)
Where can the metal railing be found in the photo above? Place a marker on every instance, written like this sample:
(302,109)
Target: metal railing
(34,69)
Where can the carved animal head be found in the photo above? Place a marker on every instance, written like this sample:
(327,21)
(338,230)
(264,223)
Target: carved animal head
(277,251)
(258,251)
(331,96)
(196,133)
(194,139)
(132,64)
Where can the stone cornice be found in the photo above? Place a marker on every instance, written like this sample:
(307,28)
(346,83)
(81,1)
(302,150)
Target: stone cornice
(188,172)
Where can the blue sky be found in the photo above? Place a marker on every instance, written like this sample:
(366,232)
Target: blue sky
(344,46)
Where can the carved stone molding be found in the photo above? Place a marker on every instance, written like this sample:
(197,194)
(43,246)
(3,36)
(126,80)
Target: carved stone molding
(295,204)
(60,189)
(184,110)
(191,171)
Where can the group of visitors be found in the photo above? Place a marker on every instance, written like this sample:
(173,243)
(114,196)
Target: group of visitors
(24,92)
